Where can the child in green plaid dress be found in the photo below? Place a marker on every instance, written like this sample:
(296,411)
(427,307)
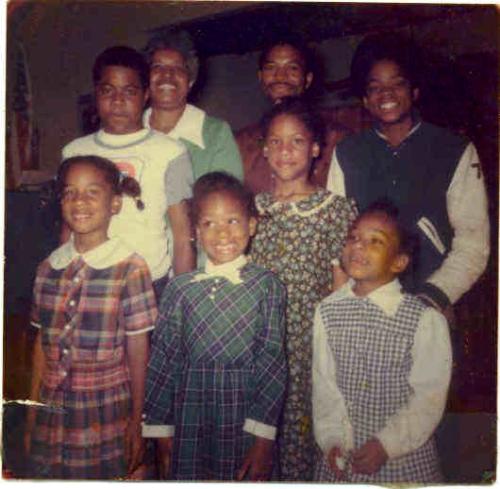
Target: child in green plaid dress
(93,307)
(217,374)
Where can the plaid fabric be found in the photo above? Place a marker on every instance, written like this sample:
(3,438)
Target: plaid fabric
(373,358)
(80,435)
(85,314)
(217,358)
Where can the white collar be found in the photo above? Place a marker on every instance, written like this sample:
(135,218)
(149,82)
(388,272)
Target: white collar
(412,130)
(188,127)
(117,140)
(103,256)
(387,297)
(230,270)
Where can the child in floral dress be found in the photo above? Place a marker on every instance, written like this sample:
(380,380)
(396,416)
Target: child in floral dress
(217,375)
(93,307)
(300,234)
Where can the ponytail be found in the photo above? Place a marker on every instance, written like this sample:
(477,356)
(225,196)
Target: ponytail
(130,186)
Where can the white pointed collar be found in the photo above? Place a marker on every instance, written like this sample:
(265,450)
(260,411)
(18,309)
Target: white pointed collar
(387,297)
(188,127)
(229,271)
(103,256)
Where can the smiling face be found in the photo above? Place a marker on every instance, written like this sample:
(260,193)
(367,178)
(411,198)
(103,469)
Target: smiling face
(371,255)
(88,203)
(169,82)
(283,73)
(290,148)
(223,228)
(389,96)
(120,100)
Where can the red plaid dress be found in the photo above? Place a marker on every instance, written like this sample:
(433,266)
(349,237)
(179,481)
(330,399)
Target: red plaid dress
(85,306)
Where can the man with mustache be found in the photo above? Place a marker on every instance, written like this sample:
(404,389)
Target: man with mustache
(174,67)
(285,69)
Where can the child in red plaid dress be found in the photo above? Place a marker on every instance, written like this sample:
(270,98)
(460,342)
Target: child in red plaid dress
(93,307)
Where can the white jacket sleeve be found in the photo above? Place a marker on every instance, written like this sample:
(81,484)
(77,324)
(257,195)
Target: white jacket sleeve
(468,213)
(411,426)
(331,423)
(335,180)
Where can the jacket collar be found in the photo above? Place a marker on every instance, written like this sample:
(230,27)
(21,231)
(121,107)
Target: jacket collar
(189,127)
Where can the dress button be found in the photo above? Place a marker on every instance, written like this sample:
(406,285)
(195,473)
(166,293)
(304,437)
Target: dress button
(65,351)
(76,279)
(72,303)
(67,326)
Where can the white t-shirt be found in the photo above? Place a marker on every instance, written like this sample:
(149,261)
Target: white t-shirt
(163,169)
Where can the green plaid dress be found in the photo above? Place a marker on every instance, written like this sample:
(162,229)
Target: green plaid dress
(217,360)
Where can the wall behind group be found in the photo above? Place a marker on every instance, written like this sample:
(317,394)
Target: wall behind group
(62,39)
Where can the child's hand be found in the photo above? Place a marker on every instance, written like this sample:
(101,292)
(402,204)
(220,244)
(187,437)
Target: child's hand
(165,456)
(368,458)
(332,457)
(134,446)
(258,462)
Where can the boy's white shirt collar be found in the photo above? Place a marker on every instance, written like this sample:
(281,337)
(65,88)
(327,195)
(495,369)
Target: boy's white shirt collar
(121,139)
(103,256)
(412,130)
(188,127)
(387,297)
(229,270)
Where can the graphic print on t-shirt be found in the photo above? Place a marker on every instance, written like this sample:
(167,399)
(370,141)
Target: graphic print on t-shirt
(130,166)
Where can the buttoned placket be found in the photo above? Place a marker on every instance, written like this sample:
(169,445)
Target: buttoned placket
(214,288)
(67,335)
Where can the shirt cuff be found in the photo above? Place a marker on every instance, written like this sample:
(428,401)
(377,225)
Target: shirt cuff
(328,443)
(157,430)
(139,331)
(389,447)
(259,429)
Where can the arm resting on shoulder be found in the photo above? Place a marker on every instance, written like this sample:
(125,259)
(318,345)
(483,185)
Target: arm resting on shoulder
(468,213)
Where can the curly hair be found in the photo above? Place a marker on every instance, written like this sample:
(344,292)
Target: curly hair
(299,108)
(176,40)
(124,56)
(119,183)
(388,46)
(221,182)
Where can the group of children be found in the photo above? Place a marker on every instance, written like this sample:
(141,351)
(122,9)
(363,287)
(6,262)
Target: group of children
(257,371)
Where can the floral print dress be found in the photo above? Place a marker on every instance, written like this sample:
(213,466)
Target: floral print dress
(298,241)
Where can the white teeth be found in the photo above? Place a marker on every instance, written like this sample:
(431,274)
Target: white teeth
(388,105)
(166,86)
